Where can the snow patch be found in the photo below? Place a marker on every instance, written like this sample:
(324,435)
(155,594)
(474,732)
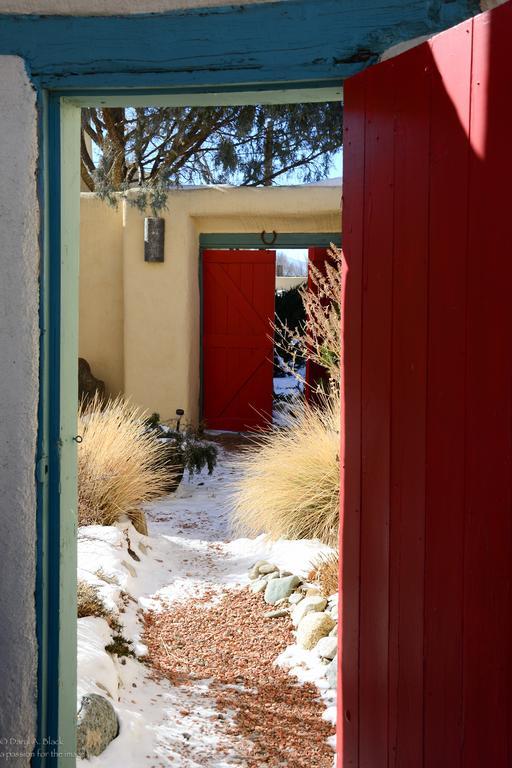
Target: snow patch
(189,550)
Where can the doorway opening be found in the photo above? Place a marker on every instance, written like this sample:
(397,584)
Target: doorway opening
(251,307)
(121,576)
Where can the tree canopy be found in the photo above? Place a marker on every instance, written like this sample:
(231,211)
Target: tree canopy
(156,148)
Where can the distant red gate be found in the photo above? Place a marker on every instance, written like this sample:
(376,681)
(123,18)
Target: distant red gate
(427,455)
(238,311)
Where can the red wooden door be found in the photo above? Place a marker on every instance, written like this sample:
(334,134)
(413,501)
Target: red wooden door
(427,486)
(238,312)
(317,257)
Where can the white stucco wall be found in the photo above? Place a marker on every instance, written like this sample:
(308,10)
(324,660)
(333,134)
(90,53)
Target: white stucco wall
(109,7)
(19,257)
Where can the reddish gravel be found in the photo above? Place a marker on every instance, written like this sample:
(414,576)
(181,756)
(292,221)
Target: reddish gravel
(273,720)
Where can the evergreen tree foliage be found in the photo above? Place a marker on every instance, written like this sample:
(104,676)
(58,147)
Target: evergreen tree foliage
(155,148)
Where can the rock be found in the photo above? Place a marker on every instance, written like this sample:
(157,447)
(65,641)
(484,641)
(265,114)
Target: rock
(96,726)
(313,592)
(88,384)
(279,588)
(295,598)
(273,575)
(276,614)
(258,586)
(267,568)
(327,647)
(332,673)
(254,572)
(285,573)
(334,631)
(312,628)
(308,605)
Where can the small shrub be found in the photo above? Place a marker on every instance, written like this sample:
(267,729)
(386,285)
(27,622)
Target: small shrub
(184,448)
(197,454)
(119,464)
(290,477)
(89,602)
(325,572)
(120,646)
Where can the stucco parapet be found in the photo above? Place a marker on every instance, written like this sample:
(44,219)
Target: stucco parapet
(110,7)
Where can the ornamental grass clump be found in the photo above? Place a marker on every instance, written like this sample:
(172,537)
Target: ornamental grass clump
(120,464)
(325,572)
(289,478)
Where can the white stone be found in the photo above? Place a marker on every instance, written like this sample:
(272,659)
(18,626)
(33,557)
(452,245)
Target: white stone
(313,627)
(308,605)
(267,568)
(327,647)
(332,673)
(295,598)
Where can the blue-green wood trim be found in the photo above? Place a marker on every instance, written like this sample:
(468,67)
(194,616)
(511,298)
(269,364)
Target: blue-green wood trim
(251,93)
(286,41)
(42,462)
(48,517)
(54,399)
(283,240)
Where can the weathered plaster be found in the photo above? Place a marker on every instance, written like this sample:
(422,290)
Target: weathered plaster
(487,5)
(19,257)
(109,7)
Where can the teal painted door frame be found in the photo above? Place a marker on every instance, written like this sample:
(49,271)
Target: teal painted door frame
(56,461)
(57,447)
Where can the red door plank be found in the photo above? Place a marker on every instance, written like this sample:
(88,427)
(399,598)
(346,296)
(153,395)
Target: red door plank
(427,634)
(238,309)
(408,406)
(488,535)
(350,457)
(444,563)
(376,391)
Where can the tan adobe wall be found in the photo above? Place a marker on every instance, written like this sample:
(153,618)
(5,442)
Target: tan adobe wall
(140,322)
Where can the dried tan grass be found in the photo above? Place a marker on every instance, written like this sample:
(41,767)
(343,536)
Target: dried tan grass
(325,571)
(119,464)
(289,479)
(89,602)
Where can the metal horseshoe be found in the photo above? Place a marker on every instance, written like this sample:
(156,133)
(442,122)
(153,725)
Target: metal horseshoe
(269,242)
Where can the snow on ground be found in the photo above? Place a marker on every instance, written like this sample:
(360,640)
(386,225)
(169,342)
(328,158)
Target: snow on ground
(190,549)
(288,391)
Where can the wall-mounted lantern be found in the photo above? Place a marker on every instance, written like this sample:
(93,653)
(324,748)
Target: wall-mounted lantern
(154,238)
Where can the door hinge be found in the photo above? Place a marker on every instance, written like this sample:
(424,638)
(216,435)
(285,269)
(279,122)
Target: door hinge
(42,470)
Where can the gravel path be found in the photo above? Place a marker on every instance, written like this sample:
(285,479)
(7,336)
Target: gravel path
(211,695)
(266,718)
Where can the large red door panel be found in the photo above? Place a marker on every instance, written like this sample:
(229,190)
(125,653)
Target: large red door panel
(238,311)
(426,533)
